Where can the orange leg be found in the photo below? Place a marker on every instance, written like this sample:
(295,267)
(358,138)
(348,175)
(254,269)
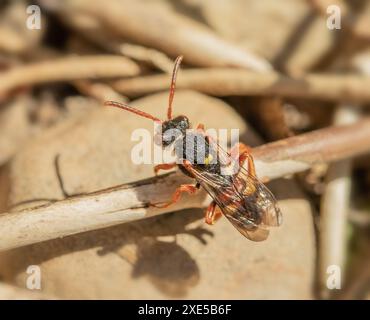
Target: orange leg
(213,213)
(189,188)
(187,165)
(164,166)
(244,153)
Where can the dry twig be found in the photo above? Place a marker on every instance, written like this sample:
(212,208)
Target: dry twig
(227,82)
(67,69)
(99,91)
(93,31)
(130,202)
(335,208)
(154,26)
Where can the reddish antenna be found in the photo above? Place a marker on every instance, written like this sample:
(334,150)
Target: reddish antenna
(173,86)
(131,109)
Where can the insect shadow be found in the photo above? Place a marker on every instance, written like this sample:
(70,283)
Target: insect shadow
(166,264)
(149,245)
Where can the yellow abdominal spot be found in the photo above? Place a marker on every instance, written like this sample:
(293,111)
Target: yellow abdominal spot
(208,159)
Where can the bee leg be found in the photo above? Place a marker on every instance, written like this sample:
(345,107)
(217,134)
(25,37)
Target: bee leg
(244,153)
(164,166)
(189,188)
(213,213)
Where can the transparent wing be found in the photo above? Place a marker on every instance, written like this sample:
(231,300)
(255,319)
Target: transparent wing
(244,200)
(256,233)
(247,213)
(258,198)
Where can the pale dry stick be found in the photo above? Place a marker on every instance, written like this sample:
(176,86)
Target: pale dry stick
(99,91)
(94,32)
(227,82)
(147,55)
(67,69)
(335,204)
(155,26)
(129,202)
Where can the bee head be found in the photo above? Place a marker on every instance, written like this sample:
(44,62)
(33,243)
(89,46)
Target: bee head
(171,130)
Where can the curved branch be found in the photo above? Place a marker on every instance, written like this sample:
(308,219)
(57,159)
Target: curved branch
(130,202)
(228,82)
(67,69)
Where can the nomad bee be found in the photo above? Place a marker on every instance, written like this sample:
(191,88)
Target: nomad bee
(236,191)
